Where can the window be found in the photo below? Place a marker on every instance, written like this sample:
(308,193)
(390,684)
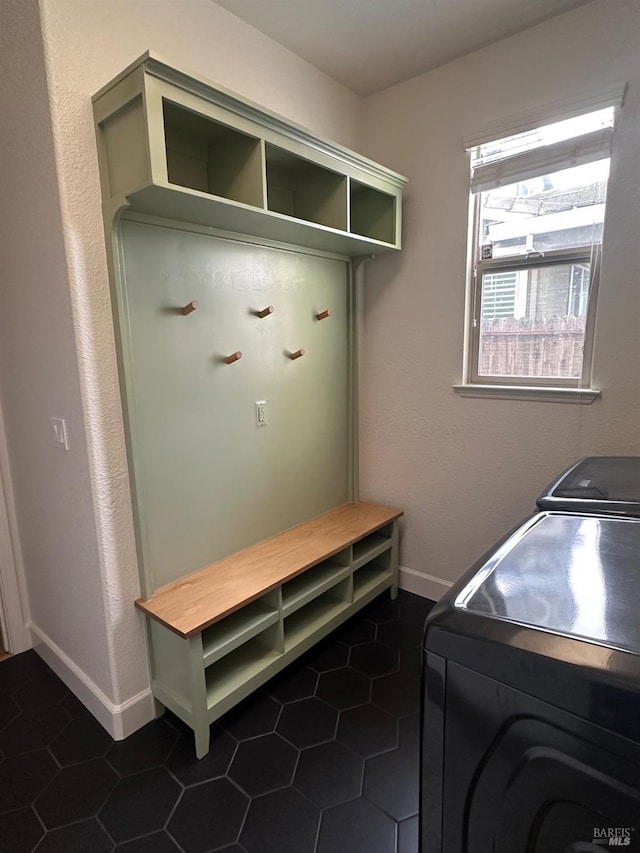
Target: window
(539,208)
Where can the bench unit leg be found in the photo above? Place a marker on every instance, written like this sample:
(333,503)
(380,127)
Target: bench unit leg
(199,713)
(394,560)
(202,737)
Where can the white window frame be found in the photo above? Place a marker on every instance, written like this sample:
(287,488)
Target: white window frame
(533,260)
(565,154)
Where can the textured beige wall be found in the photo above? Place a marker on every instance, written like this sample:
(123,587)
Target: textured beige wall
(56,334)
(38,369)
(466,470)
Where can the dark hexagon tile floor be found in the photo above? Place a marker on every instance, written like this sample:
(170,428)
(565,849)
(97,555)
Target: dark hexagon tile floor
(307,722)
(263,764)
(75,793)
(357,827)
(367,730)
(343,688)
(208,814)
(284,820)
(329,774)
(373,659)
(391,782)
(321,759)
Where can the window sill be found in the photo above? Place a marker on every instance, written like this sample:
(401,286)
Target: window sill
(585,396)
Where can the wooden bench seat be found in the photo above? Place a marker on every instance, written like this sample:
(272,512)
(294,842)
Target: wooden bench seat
(191,604)
(219,633)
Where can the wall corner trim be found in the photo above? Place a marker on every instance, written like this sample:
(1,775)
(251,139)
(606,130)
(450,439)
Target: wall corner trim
(422,584)
(121,720)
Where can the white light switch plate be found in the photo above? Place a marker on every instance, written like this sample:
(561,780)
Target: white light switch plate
(262,415)
(59,427)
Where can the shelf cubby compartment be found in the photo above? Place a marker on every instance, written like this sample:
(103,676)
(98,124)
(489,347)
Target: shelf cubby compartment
(208,156)
(175,147)
(318,617)
(304,190)
(238,671)
(373,577)
(297,592)
(344,557)
(372,213)
(229,633)
(372,545)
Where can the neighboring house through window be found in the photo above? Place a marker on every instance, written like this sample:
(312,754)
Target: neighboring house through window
(539,200)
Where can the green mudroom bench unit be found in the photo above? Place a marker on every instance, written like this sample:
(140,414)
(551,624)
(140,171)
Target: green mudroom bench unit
(220,633)
(234,242)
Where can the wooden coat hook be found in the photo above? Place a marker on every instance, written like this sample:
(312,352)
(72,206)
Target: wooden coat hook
(323,315)
(187,309)
(297,354)
(265,311)
(235,356)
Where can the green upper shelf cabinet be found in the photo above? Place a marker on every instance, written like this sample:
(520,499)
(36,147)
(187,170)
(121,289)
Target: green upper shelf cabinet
(172,145)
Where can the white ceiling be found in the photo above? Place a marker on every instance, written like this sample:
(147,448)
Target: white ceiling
(368,45)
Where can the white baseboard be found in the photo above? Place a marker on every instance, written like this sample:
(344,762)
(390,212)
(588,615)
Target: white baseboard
(119,720)
(421,584)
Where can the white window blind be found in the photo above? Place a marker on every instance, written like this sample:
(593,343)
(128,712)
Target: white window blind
(544,160)
(611,95)
(499,294)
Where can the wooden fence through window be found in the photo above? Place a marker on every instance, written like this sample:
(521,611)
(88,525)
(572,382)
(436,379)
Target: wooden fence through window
(523,346)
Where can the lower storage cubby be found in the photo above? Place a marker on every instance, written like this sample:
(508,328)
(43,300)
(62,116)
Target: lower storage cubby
(226,635)
(316,618)
(236,670)
(374,576)
(371,546)
(310,584)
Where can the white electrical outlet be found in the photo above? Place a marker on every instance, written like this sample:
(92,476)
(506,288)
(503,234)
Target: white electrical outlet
(261,413)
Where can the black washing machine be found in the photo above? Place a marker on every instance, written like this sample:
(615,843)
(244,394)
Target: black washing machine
(531,718)
(601,484)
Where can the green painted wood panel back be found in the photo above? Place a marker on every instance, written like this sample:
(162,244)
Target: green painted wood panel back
(208,480)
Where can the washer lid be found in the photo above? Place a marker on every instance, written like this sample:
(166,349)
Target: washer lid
(572,575)
(601,484)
